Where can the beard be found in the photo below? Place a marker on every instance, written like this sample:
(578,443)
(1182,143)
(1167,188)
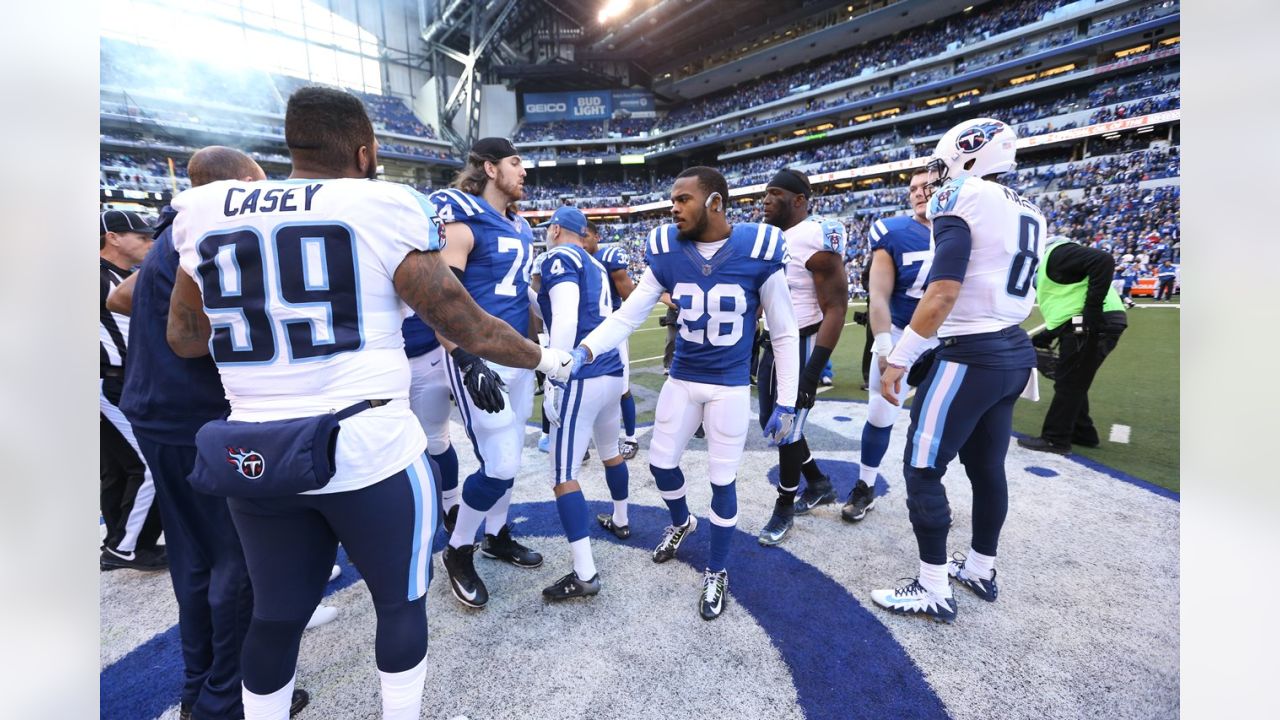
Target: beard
(509,187)
(697,231)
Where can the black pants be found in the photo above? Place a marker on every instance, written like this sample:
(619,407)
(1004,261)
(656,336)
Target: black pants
(1165,292)
(132,522)
(1079,357)
(866,355)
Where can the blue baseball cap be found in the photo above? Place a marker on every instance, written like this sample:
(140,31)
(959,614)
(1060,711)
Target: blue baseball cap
(570,218)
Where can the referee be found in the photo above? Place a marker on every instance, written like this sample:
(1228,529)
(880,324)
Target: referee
(127,490)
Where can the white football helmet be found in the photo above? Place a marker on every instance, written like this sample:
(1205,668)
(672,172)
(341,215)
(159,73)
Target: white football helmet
(978,147)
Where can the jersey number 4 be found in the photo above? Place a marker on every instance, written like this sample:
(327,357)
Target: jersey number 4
(315,280)
(723,326)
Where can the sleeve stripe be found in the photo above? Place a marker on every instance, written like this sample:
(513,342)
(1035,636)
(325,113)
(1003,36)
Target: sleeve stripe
(470,201)
(653,240)
(564,251)
(755,249)
(467,205)
(774,236)
(665,238)
(878,230)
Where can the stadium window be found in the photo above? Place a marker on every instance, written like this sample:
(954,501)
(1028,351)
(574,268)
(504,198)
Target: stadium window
(1170,41)
(1133,50)
(1022,79)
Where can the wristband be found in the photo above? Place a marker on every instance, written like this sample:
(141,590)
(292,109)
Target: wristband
(883,344)
(462,357)
(909,349)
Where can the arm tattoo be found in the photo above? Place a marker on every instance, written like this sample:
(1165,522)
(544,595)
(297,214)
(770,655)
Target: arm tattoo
(427,284)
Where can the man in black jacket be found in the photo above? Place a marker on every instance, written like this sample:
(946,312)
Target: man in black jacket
(1083,312)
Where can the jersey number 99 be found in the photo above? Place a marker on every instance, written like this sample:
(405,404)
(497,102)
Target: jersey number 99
(315,275)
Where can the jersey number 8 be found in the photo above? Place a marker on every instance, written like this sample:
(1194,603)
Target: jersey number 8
(711,305)
(316,284)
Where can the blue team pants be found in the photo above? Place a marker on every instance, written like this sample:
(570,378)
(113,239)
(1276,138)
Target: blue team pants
(966,410)
(210,581)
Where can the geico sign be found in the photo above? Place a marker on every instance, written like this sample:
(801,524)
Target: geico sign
(546,107)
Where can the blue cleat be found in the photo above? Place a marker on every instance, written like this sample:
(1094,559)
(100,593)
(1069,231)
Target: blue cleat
(985,589)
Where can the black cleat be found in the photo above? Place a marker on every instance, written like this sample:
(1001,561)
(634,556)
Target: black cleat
(672,536)
(985,589)
(715,586)
(778,526)
(622,532)
(467,586)
(504,547)
(570,586)
(147,561)
(815,494)
(300,700)
(1039,444)
(451,519)
(860,501)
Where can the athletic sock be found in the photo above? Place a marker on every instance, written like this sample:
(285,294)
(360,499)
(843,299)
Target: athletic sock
(271,706)
(448,463)
(584,563)
(479,493)
(629,416)
(812,473)
(875,443)
(670,482)
(979,566)
(402,692)
(724,518)
(497,515)
(790,459)
(617,477)
(934,579)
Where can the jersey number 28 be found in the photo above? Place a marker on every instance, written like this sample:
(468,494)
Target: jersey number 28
(723,326)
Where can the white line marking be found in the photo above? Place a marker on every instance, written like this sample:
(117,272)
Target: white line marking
(1120,434)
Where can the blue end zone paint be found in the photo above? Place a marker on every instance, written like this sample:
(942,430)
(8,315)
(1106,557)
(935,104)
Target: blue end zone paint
(843,476)
(1119,474)
(842,418)
(1041,471)
(148,681)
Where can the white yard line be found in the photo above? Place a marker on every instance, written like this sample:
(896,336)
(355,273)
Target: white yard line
(1120,434)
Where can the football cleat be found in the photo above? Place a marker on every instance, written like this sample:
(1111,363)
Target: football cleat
(544,443)
(451,518)
(570,586)
(778,526)
(985,589)
(622,532)
(145,560)
(861,500)
(672,536)
(715,586)
(628,447)
(504,547)
(914,599)
(815,494)
(467,586)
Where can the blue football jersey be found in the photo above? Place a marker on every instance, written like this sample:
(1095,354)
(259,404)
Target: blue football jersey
(497,274)
(718,297)
(570,263)
(419,337)
(613,257)
(911,246)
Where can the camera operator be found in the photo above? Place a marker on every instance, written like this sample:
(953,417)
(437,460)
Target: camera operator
(1085,315)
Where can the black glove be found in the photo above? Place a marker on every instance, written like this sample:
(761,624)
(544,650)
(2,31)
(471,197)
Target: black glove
(483,384)
(811,377)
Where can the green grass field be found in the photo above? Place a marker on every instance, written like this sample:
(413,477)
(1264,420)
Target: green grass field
(1136,387)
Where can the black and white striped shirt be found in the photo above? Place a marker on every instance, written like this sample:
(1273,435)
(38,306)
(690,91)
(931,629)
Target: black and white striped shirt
(113,328)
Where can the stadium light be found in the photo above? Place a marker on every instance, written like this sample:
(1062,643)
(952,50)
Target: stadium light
(612,9)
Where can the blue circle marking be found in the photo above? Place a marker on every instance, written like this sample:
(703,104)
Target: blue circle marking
(842,418)
(1041,471)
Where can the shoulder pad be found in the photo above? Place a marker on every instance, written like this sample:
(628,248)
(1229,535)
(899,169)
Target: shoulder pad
(834,236)
(767,241)
(944,199)
(453,205)
(662,239)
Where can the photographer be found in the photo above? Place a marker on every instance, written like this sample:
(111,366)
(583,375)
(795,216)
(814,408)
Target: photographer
(1085,315)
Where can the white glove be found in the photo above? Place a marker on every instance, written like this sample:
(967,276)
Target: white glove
(555,364)
(551,396)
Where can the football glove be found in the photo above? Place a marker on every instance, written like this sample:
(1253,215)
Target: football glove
(579,359)
(556,364)
(551,396)
(483,384)
(780,425)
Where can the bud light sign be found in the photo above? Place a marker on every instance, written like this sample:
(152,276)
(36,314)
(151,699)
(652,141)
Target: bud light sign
(553,107)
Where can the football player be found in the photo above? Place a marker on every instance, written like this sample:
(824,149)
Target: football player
(718,275)
(429,395)
(490,248)
(819,291)
(298,288)
(901,253)
(615,261)
(987,242)
(573,299)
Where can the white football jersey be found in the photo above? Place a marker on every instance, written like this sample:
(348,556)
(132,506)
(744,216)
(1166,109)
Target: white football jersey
(809,236)
(1007,233)
(296,277)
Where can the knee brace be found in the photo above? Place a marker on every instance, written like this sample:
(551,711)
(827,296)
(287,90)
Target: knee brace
(927,504)
(724,505)
(481,491)
(670,482)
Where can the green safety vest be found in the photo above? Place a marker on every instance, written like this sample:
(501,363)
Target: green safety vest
(1059,303)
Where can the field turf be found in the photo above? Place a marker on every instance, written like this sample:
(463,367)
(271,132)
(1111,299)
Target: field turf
(1137,387)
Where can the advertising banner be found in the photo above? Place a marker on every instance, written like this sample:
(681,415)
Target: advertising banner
(555,107)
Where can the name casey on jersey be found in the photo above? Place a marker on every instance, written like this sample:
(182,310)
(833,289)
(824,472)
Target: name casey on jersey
(273,200)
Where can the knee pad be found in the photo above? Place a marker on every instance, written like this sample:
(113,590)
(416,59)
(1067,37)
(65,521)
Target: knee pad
(670,482)
(481,491)
(880,412)
(724,505)
(927,504)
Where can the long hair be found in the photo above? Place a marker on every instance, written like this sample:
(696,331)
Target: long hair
(472,179)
